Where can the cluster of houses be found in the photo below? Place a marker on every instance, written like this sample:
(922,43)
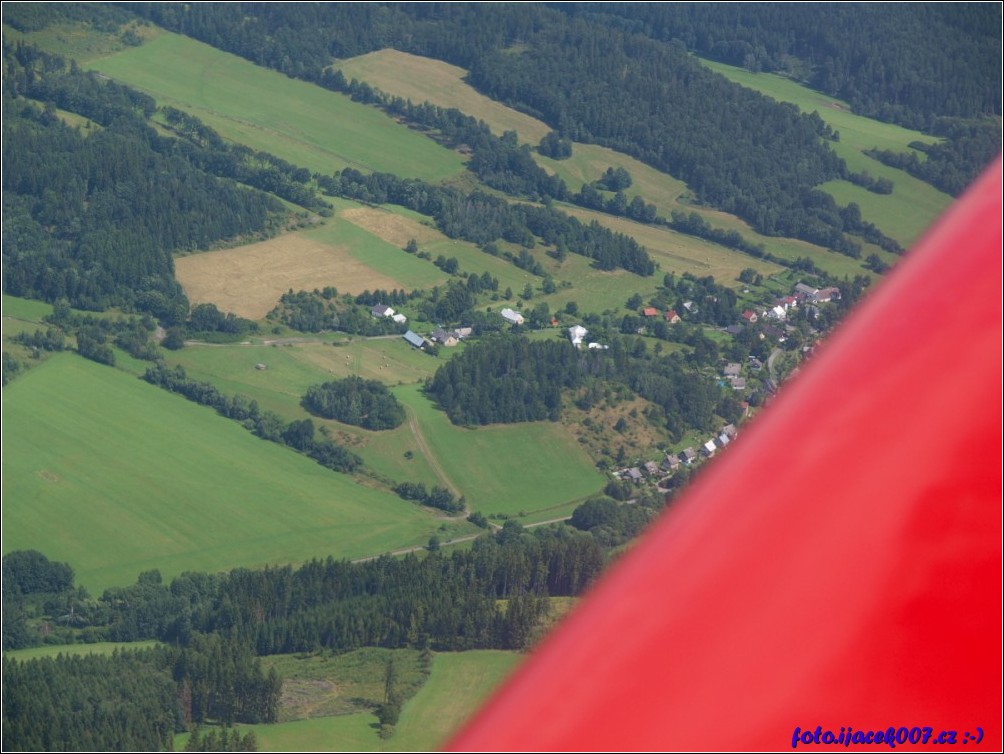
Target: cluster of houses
(380,310)
(672,462)
(447,338)
(804,295)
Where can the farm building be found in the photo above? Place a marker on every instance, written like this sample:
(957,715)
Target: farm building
(399,318)
(512,316)
(414,339)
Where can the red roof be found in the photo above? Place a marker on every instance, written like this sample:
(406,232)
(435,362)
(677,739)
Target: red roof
(671,315)
(650,311)
(749,315)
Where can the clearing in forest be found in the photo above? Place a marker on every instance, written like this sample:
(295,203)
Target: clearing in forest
(248,280)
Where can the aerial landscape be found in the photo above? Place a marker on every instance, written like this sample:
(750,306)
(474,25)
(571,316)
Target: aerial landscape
(345,345)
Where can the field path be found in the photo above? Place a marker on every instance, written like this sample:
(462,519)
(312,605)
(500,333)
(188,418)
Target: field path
(426,451)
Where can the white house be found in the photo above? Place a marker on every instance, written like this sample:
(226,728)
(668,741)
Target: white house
(577,333)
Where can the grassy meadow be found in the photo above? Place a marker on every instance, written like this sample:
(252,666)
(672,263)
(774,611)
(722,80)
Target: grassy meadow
(506,468)
(116,477)
(297,121)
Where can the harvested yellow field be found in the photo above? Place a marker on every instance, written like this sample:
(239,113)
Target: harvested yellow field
(390,227)
(248,280)
(426,80)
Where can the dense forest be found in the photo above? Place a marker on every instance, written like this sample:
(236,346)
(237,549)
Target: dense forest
(93,216)
(908,63)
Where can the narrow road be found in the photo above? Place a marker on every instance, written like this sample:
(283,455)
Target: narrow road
(423,447)
(458,540)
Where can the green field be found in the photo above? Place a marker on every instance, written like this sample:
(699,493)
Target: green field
(459,683)
(297,121)
(506,468)
(913,204)
(115,477)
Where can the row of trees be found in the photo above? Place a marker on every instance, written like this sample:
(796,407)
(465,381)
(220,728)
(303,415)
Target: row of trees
(299,435)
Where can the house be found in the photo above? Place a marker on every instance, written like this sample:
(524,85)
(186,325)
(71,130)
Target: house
(634,474)
(750,316)
(690,306)
(708,449)
(650,311)
(806,292)
(414,339)
(672,317)
(380,310)
(739,383)
(755,364)
(777,312)
(828,294)
(730,431)
(577,333)
(723,440)
(463,332)
(734,330)
(444,338)
(597,346)
(512,316)
(687,455)
(733,369)
(651,468)
(788,302)
(399,318)
(672,463)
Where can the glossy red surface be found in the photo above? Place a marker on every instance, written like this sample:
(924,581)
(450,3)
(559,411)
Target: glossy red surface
(840,564)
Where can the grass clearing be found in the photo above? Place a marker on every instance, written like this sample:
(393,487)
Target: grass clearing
(248,280)
(295,120)
(115,477)
(323,685)
(506,468)
(460,682)
(427,80)
(679,253)
(911,207)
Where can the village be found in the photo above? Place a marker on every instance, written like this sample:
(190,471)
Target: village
(755,380)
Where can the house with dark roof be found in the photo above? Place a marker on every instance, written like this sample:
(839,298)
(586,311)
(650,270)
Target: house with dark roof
(687,455)
(381,310)
(651,468)
(444,338)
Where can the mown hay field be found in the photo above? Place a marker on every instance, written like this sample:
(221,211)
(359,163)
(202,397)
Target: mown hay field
(248,280)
